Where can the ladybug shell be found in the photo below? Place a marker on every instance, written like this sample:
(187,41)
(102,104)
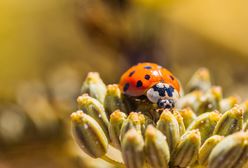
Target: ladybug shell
(139,78)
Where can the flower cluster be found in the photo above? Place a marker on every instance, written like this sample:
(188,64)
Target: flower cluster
(204,130)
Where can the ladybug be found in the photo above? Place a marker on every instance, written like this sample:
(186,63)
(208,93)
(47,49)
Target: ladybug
(155,82)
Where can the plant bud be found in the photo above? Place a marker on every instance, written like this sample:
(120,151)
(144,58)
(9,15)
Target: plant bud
(245,114)
(227,153)
(133,149)
(179,119)
(186,152)
(200,101)
(113,100)
(210,100)
(156,148)
(116,120)
(94,86)
(191,100)
(133,121)
(200,80)
(205,123)
(188,116)
(228,103)
(169,126)
(88,134)
(230,122)
(242,162)
(144,121)
(207,147)
(95,109)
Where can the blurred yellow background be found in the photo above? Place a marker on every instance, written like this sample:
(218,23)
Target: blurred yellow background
(48,46)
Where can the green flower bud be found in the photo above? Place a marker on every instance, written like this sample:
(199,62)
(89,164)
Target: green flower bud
(227,153)
(138,121)
(200,80)
(245,114)
(116,120)
(205,123)
(156,148)
(145,121)
(88,134)
(133,149)
(242,162)
(133,121)
(186,152)
(169,126)
(207,148)
(191,100)
(188,116)
(95,109)
(179,119)
(230,122)
(200,101)
(210,100)
(113,99)
(228,103)
(94,86)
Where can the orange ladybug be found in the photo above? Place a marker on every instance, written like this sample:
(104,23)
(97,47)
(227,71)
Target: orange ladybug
(157,83)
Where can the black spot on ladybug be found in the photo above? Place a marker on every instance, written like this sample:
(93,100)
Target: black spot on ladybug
(131,73)
(147,77)
(147,67)
(139,83)
(160,90)
(172,78)
(126,86)
(170,91)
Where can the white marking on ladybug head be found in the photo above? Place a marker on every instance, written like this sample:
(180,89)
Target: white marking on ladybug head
(153,95)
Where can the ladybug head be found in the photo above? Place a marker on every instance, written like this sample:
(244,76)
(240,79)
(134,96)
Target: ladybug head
(163,94)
